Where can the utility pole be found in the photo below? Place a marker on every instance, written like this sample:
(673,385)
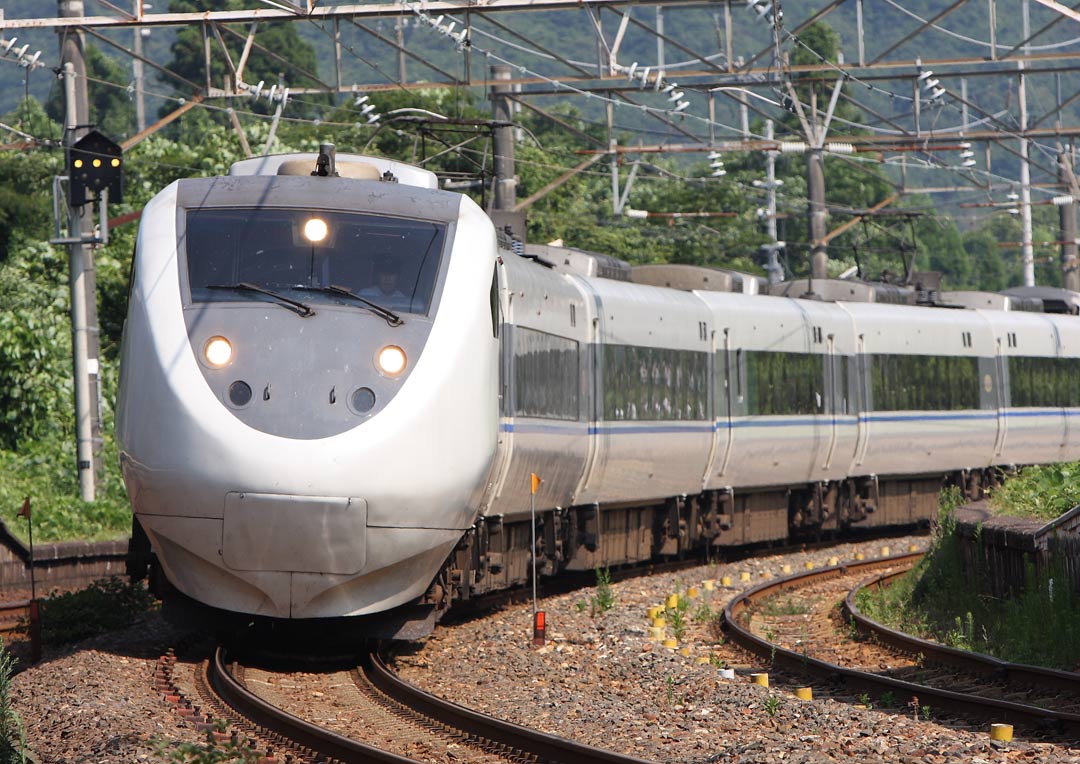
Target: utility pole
(85,342)
(505,183)
(137,71)
(1070,278)
(772,267)
(1027,249)
(815,128)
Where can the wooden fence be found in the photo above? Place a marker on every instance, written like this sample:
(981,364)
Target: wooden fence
(1003,555)
(62,566)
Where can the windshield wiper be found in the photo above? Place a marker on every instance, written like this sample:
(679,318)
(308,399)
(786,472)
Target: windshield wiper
(300,308)
(392,318)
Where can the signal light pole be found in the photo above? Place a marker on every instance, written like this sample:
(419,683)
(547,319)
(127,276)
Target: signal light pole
(85,341)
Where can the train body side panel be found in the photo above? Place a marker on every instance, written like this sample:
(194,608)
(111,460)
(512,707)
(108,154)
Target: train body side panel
(899,437)
(654,428)
(1029,433)
(775,439)
(546,357)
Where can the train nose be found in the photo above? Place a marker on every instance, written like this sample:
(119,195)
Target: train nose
(302,534)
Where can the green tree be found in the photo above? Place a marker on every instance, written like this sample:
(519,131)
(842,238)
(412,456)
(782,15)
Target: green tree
(279,54)
(988,269)
(111,110)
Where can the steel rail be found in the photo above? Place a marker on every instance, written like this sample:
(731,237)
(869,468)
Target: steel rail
(547,747)
(947,700)
(322,742)
(14,616)
(977,663)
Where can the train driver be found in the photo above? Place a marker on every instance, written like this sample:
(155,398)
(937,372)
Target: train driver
(385,291)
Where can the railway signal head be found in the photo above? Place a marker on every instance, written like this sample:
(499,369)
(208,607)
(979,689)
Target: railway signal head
(95,163)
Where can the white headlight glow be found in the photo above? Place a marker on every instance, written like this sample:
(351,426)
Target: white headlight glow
(391,360)
(218,351)
(315,230)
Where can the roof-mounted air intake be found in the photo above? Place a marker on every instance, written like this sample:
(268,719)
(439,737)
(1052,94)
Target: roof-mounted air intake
(695,277)
(580,262)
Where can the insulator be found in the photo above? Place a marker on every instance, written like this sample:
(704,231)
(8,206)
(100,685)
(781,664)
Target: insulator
(1060,201)
(840,148)
(793,147)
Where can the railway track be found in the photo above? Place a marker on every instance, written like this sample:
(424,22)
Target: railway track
(400,724)
(14,617)
(795,623)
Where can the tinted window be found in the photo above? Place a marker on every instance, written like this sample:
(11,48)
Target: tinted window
(924,382)
(545,375)
(655,383)
(391,261)
(784,383)
(1044,381)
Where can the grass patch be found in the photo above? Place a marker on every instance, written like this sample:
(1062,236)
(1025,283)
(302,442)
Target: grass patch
(45,471)
(938,600)
(604,599)
(1040,491)
(12,732)
(106,605)
(777,606)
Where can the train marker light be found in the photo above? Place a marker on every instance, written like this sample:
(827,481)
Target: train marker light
(218,351)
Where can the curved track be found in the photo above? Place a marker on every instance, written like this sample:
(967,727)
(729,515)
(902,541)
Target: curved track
(948,680)
(400,711)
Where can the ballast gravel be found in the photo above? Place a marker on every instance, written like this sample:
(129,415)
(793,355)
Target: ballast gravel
(599,679)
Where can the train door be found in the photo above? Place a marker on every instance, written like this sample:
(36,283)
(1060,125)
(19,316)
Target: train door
(835,396)
(594,396)
(725,373)
(1001,365)
(502,323)
(864,402)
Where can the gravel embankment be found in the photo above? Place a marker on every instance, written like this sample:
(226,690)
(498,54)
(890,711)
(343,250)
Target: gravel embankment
(599,679)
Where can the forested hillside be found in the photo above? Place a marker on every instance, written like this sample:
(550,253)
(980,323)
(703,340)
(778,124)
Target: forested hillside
(37,455)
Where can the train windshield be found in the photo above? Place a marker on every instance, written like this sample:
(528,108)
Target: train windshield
(393,262)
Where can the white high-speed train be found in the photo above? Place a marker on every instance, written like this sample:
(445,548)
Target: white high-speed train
(336,382)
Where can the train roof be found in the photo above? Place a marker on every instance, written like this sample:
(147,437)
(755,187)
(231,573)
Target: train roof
(357,166)
(689,278)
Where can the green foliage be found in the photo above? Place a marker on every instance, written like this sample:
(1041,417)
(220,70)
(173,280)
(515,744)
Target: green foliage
(112,111)
(771,705)
(12,733)
(938,600)
(279,51)
(704,613)
(1044,492)
(105,605)
(774,607)
(604,599)
(234,749)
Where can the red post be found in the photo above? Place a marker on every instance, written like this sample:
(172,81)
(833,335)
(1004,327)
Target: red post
(35,631)
(539,628)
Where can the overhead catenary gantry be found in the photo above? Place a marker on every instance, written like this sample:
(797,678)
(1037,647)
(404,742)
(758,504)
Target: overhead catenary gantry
(732,68)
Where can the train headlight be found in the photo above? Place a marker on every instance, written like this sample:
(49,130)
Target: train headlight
(218,351)
(391,360)
(315,230)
